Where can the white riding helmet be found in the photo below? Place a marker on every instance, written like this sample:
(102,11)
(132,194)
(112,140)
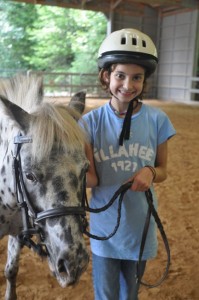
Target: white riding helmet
(128,46)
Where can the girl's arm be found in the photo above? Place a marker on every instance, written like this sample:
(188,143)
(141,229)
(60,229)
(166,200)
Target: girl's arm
(91,176)
(143,179)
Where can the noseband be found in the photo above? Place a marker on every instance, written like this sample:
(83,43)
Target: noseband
(31,218)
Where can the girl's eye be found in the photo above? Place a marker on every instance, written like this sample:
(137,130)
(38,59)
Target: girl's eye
(31,177)
(137,78)
(119,76)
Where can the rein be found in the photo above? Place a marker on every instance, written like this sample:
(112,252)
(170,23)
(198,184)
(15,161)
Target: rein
(151,211)
(31,218)
(119,193)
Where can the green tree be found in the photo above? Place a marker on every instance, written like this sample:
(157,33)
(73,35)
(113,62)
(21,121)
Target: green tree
(66,39)
(17,21)
(50,38)
(87,40)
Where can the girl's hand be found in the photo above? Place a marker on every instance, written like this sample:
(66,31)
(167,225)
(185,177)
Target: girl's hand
(142,180)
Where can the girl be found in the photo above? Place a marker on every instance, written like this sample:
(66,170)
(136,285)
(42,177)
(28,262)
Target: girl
(128,142)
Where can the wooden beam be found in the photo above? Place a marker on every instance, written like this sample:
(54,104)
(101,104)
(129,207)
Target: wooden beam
(157,2)
(175,11)
(124,7)
(115,4)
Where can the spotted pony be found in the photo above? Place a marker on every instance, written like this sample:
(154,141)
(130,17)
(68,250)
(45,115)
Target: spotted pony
(52,169)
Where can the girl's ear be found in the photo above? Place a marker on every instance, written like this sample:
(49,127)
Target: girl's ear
(106,76)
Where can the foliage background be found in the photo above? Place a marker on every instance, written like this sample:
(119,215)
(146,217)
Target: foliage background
(49,38)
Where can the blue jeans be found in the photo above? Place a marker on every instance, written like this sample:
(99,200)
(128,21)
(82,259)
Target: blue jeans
(115,279)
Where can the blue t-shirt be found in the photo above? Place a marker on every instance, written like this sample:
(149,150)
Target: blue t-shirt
(115,165)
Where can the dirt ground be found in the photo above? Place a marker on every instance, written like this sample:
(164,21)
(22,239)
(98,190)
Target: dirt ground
(178,210)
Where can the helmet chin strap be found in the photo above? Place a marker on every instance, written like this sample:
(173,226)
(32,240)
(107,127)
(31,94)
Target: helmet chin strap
(126,128)
(125,133)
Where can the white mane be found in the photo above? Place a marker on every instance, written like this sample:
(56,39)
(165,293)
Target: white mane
(49,123)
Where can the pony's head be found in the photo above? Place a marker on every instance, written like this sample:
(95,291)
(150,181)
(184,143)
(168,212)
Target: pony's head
(53,168)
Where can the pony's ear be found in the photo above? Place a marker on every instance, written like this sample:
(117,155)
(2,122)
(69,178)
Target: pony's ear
(20,115)
(78,101)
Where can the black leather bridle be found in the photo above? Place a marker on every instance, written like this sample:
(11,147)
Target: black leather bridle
(31,218)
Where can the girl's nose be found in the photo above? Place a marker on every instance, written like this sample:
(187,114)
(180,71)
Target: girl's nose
(128,84)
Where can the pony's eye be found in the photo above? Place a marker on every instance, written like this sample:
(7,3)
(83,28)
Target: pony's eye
(31,177)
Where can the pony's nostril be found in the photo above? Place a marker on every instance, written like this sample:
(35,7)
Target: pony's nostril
(61,266)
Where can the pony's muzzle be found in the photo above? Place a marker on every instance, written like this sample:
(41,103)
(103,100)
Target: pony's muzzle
(70,268)
(72,274)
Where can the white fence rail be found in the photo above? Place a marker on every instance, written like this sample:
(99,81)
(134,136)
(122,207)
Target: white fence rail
(66,84)
(194,90)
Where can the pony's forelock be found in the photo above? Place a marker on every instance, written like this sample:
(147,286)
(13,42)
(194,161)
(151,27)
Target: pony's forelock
(55,125)
(51,124)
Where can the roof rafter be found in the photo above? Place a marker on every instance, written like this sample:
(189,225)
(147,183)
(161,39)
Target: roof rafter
(124,7)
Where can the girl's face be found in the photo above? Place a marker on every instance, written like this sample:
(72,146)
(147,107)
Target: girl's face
(126,82)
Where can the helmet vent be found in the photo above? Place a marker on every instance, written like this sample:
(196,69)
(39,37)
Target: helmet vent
(123,41)
(143,43)
(134,41)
